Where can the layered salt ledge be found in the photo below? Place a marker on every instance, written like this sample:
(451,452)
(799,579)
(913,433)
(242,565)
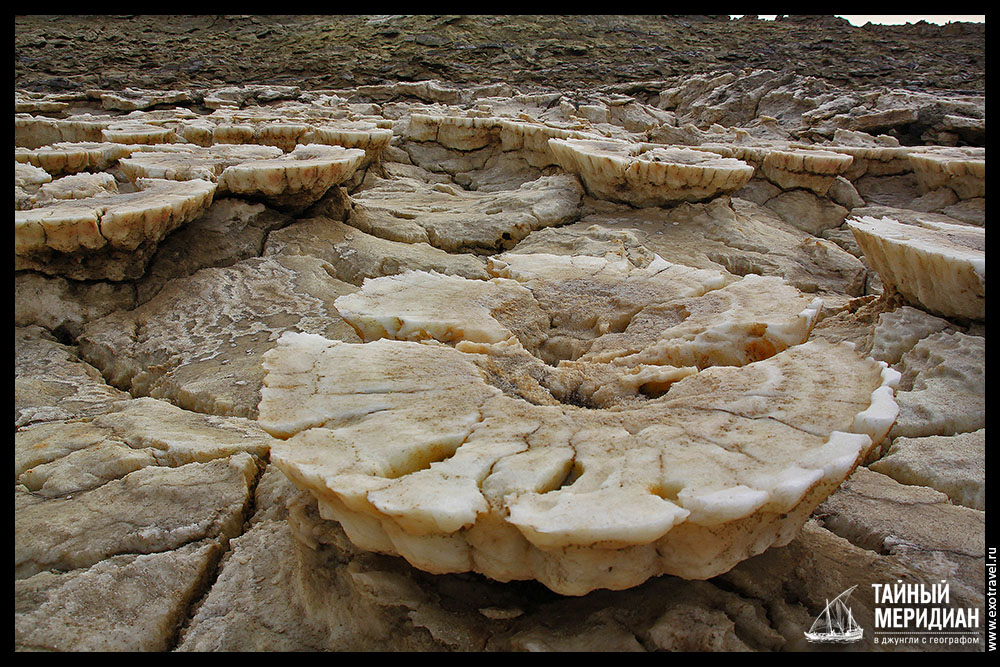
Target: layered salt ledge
(731,461)
(872,156)
(961,169)
(287,130)
(527,139)
(52,238)
(938,266)
(647,175)
(814,170)
(70,158)
(188,162)
(298,178)
(583,472)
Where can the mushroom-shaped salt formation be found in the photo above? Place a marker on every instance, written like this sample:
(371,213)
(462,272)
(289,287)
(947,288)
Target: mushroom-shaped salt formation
(296,179)
(938,266)
(109,236)
(448,457)
(70,158)
(643,175)
(961,169)
(362,134)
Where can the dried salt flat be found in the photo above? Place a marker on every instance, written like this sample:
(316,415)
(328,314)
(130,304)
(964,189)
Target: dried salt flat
(786,165)
(720,464)
(938,266)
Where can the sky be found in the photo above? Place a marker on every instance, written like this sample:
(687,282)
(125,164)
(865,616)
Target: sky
(861,19)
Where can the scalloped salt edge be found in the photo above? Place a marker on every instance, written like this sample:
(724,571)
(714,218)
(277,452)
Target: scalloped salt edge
(812,476)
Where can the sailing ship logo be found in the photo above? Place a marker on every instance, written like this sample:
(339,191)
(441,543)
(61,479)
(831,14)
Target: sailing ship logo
(836,623)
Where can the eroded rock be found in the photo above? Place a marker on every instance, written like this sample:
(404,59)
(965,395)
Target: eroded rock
(198,341)
(456,220)
(151,510)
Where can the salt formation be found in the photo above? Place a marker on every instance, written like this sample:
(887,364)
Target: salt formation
(60,238)
(70,158)
(515,483)
(576,337)
(453,219)
(940,266)
(962,170)
(645,175)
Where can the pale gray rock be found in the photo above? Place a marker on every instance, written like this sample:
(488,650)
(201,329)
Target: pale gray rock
(915,524)
(129,602)
(806,211)
(844,193)
(435,157)
(198,342)
(954,465)
(355,255)
(899,330)
(52,383)
(151,510)
(845,239)
(943,388)
(971,211)
(758,191)
(732,234)
(898,190)
(229,231)
(934,200)
(63,306)
(457,220)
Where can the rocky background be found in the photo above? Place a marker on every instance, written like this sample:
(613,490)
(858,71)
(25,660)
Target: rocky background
(147,513)
(555,52)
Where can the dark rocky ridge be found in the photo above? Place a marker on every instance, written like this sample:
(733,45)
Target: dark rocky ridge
(114,52)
